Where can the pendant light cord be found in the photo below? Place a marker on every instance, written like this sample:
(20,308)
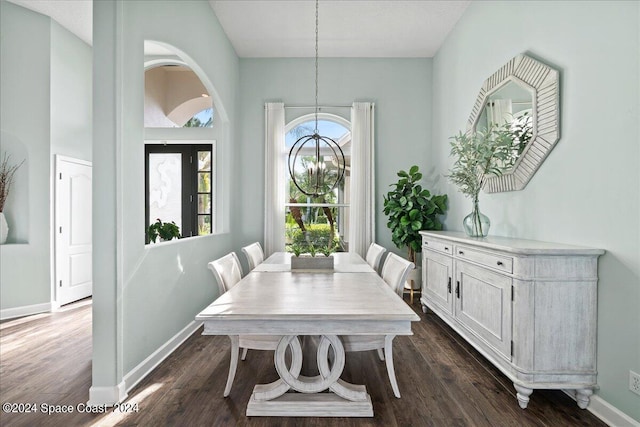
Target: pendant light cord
(316,114)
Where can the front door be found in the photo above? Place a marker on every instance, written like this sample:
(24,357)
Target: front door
(73,241)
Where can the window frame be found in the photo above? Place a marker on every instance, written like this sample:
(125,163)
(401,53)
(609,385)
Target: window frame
(189,183)
(300,120)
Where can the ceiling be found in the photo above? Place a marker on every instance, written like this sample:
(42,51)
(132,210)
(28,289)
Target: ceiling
(286,28)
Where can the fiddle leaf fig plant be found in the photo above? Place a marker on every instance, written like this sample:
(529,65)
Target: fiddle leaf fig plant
(411,208)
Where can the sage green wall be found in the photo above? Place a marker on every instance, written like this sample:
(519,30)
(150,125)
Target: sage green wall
(400,88)
(25,277)
(46,110)
(144,295)
(587,192)
(71,67)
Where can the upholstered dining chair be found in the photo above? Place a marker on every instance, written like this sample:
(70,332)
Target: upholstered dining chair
(394,272)
(227,272)
(374,255)
(254,254)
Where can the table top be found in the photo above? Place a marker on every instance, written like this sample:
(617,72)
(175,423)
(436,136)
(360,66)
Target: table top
(309,296)
(344,262)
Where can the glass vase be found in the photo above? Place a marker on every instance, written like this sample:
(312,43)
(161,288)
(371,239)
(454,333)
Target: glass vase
(476,224)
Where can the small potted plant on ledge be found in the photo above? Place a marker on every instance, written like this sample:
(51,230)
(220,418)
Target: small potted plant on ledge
(163,230)
(411,208)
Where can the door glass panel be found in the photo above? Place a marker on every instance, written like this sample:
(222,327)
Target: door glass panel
(165,187)
(204,225)
(204,161)
(204,182)
(204,204)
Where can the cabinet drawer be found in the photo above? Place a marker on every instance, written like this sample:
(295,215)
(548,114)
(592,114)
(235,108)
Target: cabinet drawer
(446,248)
(488,259)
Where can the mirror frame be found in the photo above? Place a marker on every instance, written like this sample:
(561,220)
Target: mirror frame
(545,83)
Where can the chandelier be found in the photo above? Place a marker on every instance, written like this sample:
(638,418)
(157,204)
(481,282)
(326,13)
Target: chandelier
(322,157)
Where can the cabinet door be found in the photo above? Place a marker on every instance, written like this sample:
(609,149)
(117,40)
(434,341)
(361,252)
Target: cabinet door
(483,305)
(437,279)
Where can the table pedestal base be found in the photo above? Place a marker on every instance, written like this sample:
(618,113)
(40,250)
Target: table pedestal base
(324,395)
(309,405)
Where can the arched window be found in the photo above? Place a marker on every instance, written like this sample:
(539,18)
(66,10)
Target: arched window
(321,221)
(355,199)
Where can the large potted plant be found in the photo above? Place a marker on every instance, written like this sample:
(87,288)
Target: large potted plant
(7,173)
(479,155)
(411,208)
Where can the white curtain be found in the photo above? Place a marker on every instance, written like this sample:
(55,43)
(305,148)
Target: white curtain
(361,230)
(274,178)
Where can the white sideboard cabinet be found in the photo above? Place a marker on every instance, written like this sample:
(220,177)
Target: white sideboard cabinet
(529,307)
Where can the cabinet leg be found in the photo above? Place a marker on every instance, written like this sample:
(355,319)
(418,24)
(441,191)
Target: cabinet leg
(523,394)
(424,309)
(583,396)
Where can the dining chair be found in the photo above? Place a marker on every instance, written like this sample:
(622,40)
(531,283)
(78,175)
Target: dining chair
(228,272)
(394,272)
(374,255)
(254,254)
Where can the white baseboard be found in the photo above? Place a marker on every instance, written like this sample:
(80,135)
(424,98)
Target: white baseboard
(107,395)
(608,413)
(133,377)
(27,310)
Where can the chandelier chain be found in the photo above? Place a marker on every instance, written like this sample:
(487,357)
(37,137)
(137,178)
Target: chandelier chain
(316,111)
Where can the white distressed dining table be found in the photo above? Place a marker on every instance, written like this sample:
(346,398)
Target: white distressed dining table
(273,300)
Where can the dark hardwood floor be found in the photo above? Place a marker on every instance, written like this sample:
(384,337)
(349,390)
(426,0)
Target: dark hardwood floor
(46,359)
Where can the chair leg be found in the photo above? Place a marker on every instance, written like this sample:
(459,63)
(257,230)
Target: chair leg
(233,364)
(388,355)
(244,353)
(380,354)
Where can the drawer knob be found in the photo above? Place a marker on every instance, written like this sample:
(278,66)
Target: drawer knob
(446,248)
(500,263)
(461,253)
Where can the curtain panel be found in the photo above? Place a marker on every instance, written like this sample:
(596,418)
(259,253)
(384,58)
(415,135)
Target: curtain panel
(274,221)
(362,228)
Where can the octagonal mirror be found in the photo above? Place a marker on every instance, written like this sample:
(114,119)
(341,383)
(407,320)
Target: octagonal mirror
(523,95)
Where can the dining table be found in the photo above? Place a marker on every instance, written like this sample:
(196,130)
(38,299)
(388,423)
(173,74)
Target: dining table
(273,299)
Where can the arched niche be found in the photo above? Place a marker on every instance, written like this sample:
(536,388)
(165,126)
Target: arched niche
(16,208)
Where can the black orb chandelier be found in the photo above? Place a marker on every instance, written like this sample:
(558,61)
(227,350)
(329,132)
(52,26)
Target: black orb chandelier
(324,158)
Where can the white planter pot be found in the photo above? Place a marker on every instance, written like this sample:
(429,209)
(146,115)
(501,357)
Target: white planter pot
(416,276)
(307,262)
(4,229)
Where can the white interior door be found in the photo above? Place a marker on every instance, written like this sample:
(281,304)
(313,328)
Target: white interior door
(73,241)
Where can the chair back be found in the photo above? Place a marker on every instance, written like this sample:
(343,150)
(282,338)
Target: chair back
(227,271)
(254,254)
(395,271)
(374,255)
